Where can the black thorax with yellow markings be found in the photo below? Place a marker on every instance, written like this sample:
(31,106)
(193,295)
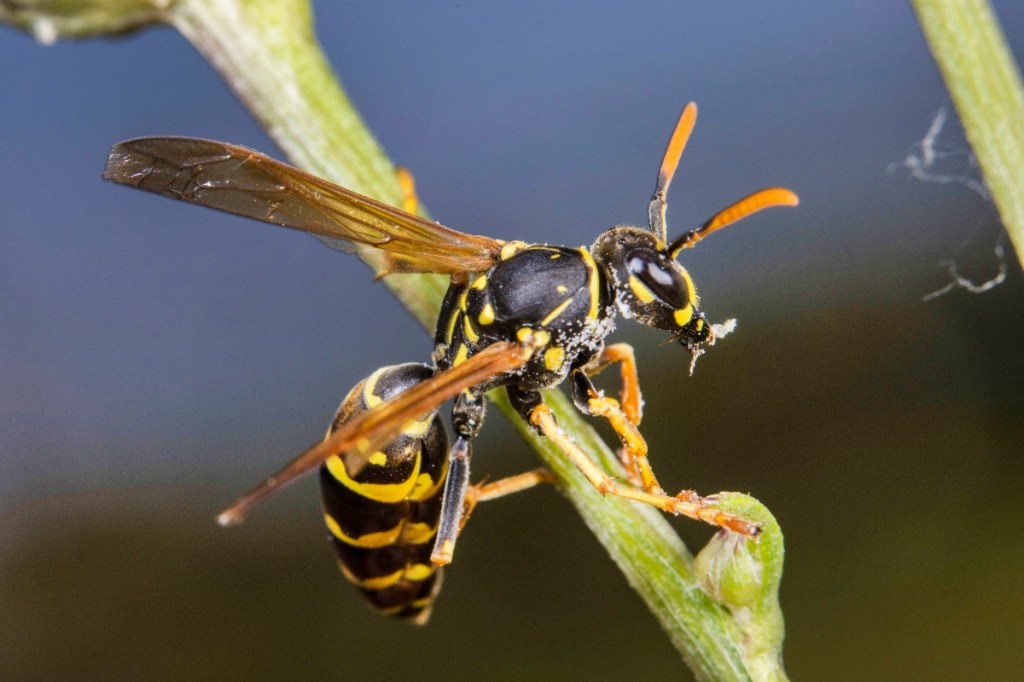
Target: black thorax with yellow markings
(558,298)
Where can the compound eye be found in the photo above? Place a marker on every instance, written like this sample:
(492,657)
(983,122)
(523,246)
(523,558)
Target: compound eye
(661,275)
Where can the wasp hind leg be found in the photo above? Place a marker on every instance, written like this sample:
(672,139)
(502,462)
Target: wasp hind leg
(485,491)
(532,408)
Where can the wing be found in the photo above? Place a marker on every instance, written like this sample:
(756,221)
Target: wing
(238,180)
(372,429)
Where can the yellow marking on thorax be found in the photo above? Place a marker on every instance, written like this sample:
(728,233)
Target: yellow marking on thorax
(451,326)
(559,309)
(536,338)
(381,492)
(378,459)
(593,281)
(486,316)
(640,290)
(510,249)
(561,288)
(480,283)
(553,358)
(460,355)
(555,256)
(467,327)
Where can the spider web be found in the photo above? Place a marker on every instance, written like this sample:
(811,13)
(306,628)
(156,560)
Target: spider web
(934,161)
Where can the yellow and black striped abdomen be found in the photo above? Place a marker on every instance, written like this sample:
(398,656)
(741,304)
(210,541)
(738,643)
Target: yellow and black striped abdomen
(382,521)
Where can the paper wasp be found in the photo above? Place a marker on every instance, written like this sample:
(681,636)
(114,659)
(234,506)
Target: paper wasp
(523,317)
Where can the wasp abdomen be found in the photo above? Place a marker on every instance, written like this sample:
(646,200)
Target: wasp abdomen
(383,519)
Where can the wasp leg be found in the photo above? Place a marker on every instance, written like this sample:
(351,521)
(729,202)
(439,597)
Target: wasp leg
(410,201)
(589,401)
(453,503)
(467,418)
(483,491)
(632,401)
(686,503)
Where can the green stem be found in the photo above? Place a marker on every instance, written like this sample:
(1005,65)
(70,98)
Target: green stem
(267,53)
(985,85)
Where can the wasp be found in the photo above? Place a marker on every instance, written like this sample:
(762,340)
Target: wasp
(525,317)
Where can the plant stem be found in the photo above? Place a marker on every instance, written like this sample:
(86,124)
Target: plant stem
(983,80)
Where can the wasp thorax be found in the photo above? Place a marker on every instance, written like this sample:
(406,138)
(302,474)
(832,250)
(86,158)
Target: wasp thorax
(650,286)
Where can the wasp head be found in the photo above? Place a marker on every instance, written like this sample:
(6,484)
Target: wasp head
(650,286)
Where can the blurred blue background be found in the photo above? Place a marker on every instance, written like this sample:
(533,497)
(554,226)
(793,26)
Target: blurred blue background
(156,358)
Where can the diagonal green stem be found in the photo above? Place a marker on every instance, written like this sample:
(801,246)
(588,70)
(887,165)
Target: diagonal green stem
(983,80)
(267,53)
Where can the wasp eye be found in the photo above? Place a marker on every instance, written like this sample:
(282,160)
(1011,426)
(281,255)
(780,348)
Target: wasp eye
(660,275)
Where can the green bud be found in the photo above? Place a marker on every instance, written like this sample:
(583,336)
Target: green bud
(743,574)
(730,571)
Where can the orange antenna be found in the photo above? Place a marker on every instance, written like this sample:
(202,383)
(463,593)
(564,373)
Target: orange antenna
(765,198)
(676,144)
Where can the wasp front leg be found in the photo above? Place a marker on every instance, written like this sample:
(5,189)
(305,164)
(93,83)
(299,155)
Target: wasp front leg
(631,400)
(634,448)
(629,395)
